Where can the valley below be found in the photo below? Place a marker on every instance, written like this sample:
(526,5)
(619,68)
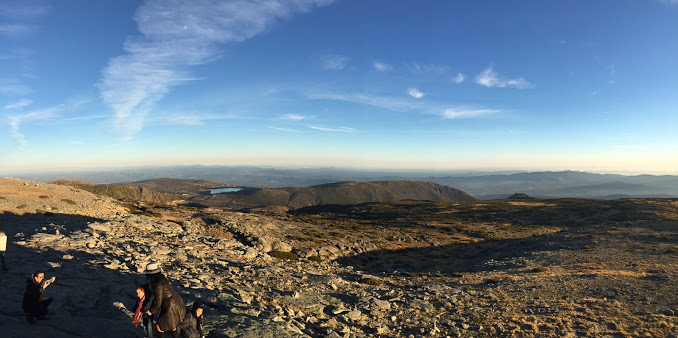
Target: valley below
(397,268)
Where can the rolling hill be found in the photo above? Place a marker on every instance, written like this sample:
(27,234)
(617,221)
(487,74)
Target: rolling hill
(335,193)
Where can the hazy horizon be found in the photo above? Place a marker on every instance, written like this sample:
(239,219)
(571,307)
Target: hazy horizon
(451,171)
(373,85)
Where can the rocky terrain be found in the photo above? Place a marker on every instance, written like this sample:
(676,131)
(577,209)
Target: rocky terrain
(520,267)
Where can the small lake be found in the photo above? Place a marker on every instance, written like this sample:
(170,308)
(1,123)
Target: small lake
(224,190)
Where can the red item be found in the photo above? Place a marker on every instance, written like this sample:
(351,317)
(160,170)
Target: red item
(137,314)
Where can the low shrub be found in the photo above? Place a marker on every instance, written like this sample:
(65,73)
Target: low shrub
(72,202)
(539,269)
(284,255)
(493,280)
(370,281)
(216,232)
(44,196)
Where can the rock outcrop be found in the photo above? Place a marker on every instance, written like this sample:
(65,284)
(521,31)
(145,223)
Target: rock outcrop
(521,275)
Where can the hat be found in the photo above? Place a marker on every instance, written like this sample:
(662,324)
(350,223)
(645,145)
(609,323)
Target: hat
(152,268)
(198,305)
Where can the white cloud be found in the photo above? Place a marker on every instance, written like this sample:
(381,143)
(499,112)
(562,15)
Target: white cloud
(17,18)
(490,78)
(382,67)
(390,103)
(293,117)
(461,113)
(286,129)
(669,2)
(16,30)
(186,119)
(338,129)
(19,104)
(176,35)
(13,87)
(415,93)
(15,122)
(403,105)
(459,78)
(18,9)
(334,62)
(419,68)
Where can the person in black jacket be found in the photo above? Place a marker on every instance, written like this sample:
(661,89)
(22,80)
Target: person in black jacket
(34,304)
(167,302)
(191,326)
(140,308)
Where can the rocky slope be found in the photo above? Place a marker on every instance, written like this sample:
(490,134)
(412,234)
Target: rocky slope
(405,269)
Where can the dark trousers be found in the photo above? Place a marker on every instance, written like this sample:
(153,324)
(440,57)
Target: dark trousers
(149,326)
(2,254)
(40,309)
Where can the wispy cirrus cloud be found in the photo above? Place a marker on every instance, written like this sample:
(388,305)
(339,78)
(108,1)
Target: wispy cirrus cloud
(188,119)
(175,36)
(415,93)
(18,17)
(489,78)
(286,129)
(11,87)
(390,103)
(15,121)
(458,79)
(382,67)
(19,104)
(428,68)
(293,117)
(334,62)
(23,9)
(402,105)
(465,113)
(669,2)
(335,130)
(17,30)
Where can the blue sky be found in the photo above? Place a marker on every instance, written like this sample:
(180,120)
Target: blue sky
(393,84)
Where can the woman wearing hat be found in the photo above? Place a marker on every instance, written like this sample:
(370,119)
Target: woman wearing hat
(167,302)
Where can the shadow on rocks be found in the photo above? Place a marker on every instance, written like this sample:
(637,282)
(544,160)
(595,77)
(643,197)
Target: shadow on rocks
(465,257)
(89,299)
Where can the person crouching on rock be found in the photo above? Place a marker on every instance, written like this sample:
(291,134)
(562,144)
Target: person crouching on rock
(167,302)
(142,305)
(191,327)
(35,304)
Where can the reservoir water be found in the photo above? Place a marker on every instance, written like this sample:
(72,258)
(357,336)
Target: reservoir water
(224,190)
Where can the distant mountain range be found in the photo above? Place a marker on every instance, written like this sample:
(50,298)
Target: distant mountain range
(481,185)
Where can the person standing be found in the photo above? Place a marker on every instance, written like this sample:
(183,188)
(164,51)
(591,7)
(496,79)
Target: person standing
(142,305)
(34,304)
(167,302)
(3,248)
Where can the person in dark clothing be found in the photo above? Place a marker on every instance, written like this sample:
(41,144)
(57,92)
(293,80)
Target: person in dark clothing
(167,302)
(140,308)
(34,304)
(3,248)
(191,327)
